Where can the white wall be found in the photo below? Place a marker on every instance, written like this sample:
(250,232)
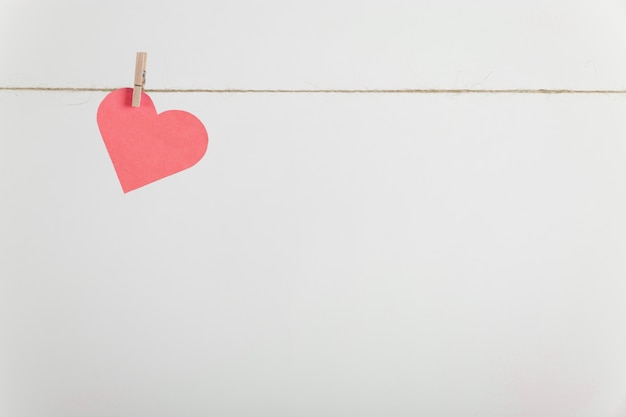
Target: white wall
(332,255)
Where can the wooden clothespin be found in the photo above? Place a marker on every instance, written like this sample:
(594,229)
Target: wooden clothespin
(140,77)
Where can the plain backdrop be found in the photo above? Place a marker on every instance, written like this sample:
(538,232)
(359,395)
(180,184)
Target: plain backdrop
(332,254)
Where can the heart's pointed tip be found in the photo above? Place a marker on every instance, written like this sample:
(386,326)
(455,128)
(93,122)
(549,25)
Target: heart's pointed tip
(127,189)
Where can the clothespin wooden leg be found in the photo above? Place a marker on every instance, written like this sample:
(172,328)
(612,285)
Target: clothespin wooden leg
(140,77)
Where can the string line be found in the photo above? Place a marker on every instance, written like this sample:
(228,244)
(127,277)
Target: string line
(326,91)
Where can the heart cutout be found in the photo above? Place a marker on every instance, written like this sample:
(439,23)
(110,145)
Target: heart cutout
(145,146)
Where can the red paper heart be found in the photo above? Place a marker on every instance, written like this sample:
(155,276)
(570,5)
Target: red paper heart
(145,146)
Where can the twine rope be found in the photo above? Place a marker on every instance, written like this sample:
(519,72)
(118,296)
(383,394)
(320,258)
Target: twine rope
(326,91)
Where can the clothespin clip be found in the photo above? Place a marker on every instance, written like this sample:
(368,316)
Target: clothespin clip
(140,77)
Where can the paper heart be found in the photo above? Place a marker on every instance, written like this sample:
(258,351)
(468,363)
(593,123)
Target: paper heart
(145,146)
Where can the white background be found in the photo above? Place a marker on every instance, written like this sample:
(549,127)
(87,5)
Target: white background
(331,255)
